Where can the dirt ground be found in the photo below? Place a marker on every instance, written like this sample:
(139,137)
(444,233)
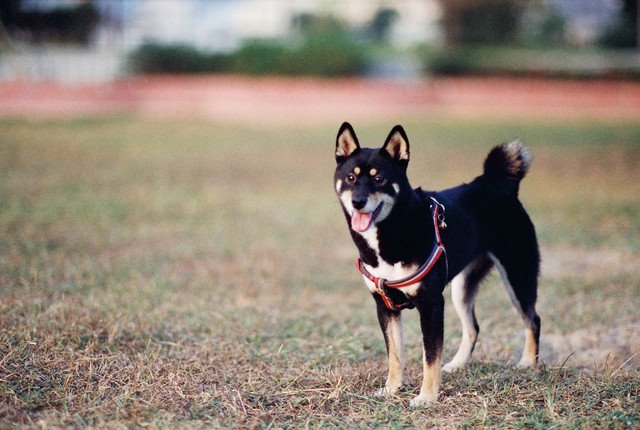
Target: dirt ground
(308,100)
(596,346)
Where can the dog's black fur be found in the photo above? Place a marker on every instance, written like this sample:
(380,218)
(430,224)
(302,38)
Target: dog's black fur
(486,225)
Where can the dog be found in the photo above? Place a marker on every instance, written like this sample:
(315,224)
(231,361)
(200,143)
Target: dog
(412,243)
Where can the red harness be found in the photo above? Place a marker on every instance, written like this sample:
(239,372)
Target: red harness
(437,251)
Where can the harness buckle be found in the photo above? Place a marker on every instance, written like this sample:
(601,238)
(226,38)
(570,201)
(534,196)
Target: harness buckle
(441,224)
(379,285)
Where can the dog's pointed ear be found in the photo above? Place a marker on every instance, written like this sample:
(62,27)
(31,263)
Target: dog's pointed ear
(397,145)
(346,143)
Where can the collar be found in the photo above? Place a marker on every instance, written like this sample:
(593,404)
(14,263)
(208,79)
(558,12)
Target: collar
(438,250)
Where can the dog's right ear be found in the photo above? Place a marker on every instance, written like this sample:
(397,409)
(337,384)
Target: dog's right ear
(346,143)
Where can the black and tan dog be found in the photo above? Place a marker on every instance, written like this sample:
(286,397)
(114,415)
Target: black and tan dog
(413,242)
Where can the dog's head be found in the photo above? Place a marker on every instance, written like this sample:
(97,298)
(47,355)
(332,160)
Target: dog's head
(369,181)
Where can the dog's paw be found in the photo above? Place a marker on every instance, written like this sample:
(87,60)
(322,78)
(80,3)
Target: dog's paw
(526,363)
(421,400)
(386,391)
(452,366)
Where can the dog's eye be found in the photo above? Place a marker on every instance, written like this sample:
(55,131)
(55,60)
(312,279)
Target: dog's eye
(351,178)
(379,180)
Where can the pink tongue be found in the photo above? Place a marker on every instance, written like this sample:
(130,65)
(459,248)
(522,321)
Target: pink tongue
(360,221)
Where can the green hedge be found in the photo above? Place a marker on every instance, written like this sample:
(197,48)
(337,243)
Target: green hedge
(516,61)
(331,55)
(175,58)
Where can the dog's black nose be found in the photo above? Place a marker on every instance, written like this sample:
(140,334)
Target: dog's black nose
(359,202)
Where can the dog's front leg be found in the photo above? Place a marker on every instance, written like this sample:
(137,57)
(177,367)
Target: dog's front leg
(431,309)
(391,325)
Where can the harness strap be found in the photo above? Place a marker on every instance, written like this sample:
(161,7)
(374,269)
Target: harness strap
(437,251)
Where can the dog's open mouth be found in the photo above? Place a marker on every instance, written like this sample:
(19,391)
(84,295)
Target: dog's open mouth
(361,221)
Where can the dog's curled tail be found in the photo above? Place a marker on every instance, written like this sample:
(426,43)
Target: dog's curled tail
(510,160)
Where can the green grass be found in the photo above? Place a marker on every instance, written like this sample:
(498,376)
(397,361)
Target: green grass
(193,274)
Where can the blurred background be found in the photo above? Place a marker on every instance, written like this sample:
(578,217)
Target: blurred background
(96,44)
(103,39)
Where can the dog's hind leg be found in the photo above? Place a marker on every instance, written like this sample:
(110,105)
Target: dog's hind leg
(519,273)
(464,289)
(391,325)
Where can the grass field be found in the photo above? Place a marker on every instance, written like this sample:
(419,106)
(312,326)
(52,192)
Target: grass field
(192,274)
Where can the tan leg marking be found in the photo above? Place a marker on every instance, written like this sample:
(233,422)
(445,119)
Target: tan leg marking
(529,357)
(469,333)
(430,383)
(395,376)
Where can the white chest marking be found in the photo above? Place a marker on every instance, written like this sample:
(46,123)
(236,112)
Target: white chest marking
(391,272)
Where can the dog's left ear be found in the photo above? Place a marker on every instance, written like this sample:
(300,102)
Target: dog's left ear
(346,142)
(397,145)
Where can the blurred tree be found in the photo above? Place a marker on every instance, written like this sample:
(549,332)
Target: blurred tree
(552,29)
(543,26)
(481,21)
(623,33)
(9,9)
(303,22)
(380,25)
(60,24)
(322,46)
(311,25)
(9,12)
(325,46)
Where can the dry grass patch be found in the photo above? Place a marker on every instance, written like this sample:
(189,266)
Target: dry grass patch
(189,274)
